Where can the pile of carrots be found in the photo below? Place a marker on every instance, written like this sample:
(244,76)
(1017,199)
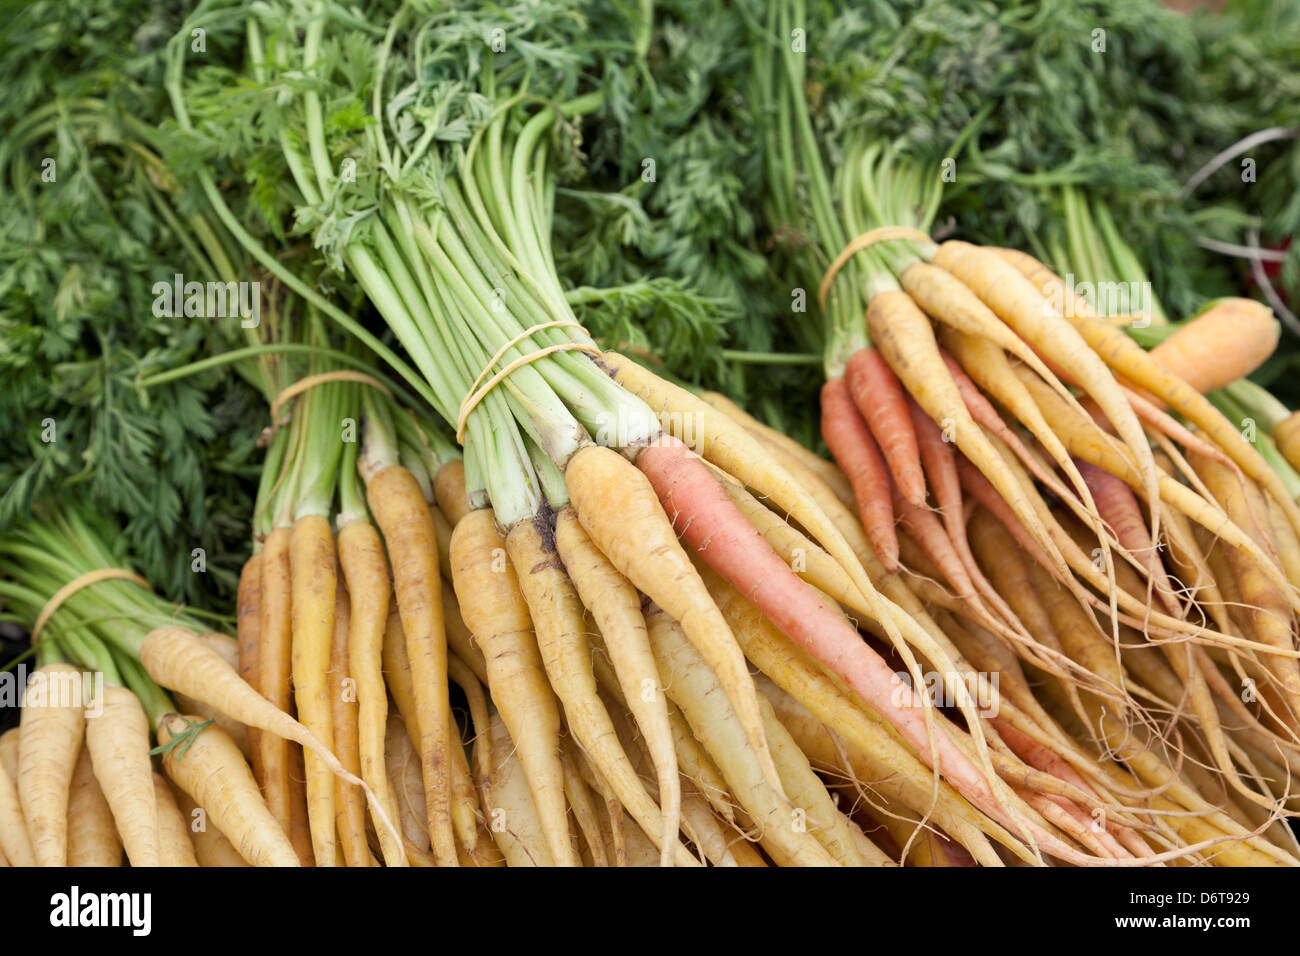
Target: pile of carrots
(527,602)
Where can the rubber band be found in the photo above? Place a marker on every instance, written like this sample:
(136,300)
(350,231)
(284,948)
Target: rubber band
(75,585)
(311,381)
(868,238)
(478,392)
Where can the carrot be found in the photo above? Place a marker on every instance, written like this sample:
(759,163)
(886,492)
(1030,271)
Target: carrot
(1128,359)
(1269,610)
(174,657)
(209,767)
(855,450)
(515,823)
(696,689)
(732,449)
(1089,443)
(313,577)
(1059,338)
(211,848)
(620,509)
(1287,436)
(228,648)
(403,516)
(92,838)
(449,491)
(616,607)
(349,802)
(402,762)
(361,557)
(275,683)
(497,615)
(584,807)
(118,743)
(882,402)
(174,846)
(248,617)
(14,842)
(52,729)
(904,337)
(1119,509)
(1228,340)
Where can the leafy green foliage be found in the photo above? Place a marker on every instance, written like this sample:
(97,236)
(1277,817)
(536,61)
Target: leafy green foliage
(80,249)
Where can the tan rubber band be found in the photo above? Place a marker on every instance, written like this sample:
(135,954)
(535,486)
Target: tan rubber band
(75,585)
(311,381)
(868,238)
(477,393)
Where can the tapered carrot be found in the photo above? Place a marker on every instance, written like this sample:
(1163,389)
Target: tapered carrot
(313,576)
(1269,609)
(620,508)
(855,450)
(248,618)
(616,607)
(882,402)
(174,846)
(275,683)
(92,836)
(349,802)
(209,767)
(696,689)
(556,611)
(361,558)
(52,729)
(118,742)
(515,822)
(211,848)
(497,615)
(1119,509)
(175,658)
(402,514)
(1059,338)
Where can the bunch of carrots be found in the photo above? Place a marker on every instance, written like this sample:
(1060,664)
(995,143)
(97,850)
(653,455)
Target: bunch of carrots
(522,601)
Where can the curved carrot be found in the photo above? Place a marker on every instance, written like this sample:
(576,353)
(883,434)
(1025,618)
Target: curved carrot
(92,835)
(855,450)
(210,768)
(361,557)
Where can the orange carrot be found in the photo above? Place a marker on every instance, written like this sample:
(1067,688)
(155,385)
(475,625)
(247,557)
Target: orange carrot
(855,450)
(349,802)
(1225,342)
(880,399)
